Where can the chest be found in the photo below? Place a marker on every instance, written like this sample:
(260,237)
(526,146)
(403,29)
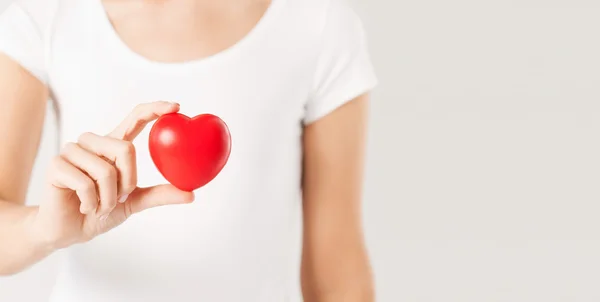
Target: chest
(176,31)
(259,86)
(96,91)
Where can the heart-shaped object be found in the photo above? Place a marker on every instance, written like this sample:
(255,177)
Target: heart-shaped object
(189,152)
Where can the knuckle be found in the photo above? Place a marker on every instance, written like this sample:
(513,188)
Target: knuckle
(69,148)
(84,136)
(127,149)
(84,208)
(87,185)
(56,162)
(140,108)
(54,169)
(107,172)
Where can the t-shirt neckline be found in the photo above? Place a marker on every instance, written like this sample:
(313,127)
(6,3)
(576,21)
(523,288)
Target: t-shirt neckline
(119,47)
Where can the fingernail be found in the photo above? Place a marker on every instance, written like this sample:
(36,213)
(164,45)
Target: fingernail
(104,217)
(123,198)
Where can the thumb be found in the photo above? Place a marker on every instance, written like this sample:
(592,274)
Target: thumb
(144,198)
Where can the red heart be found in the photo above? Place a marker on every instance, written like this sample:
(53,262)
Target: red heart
(189,152)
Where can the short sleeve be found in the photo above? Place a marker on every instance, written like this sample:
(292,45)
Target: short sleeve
(344,68)
(22,36)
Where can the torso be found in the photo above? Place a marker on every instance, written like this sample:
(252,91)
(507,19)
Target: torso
(240,240)
(265,67)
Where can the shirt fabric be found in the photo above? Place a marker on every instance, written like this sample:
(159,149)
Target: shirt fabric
(240,240)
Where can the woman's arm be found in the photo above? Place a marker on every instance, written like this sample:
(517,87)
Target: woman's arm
(335,265)
(91,186)
(22,109)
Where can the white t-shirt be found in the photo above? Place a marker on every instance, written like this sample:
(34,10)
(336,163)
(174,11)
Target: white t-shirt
(240,239)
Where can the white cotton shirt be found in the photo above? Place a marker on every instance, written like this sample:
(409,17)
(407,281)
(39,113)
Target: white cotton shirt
(240,239)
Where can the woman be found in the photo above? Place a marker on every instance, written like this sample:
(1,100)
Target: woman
(290,78)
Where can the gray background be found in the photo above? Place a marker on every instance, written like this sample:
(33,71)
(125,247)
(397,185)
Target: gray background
(483,156)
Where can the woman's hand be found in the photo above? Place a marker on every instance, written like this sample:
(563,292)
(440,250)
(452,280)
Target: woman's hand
(92,184)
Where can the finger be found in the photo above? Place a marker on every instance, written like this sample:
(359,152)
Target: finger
(145,198)
(103,173)
(66,176)
(120,153)
(140,116)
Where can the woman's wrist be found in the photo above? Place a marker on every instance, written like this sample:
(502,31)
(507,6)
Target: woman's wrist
(37,237)
(22,242)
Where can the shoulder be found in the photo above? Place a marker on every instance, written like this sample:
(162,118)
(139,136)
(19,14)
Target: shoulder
(321,25)
(26,28)
(320,15)
(40,13)
(333,25)
(342,68)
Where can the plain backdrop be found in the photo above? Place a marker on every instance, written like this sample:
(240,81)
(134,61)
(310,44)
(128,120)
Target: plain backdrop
(483,162)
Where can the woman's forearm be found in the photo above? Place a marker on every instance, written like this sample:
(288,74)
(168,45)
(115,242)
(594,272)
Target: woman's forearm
(19,246)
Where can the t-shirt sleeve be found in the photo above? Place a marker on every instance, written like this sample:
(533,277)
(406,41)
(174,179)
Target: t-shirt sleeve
(22,37)
(344,68)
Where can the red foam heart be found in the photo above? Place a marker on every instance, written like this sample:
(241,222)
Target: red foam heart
(189,152)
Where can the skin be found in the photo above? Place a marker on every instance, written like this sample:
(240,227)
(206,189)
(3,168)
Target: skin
(335,265)
(91,185)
